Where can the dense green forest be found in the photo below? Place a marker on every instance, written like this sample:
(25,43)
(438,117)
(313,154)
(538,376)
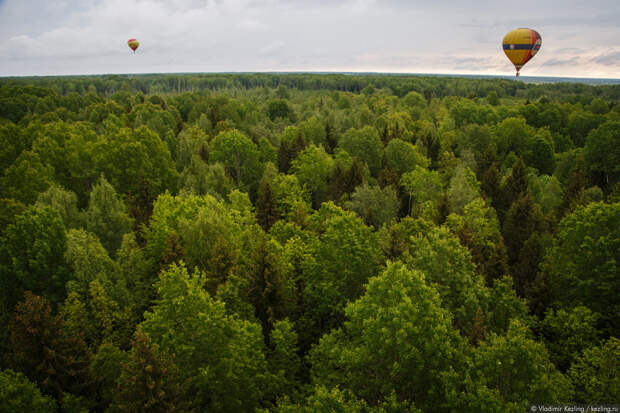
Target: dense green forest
(307,243)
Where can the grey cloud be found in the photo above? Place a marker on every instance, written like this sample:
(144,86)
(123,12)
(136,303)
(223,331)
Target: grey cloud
(234,35)
(561,62)
(608,59)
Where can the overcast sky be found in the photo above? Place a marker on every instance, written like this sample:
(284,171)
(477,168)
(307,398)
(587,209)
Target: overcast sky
(59,37)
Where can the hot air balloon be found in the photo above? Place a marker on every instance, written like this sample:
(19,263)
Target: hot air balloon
(133,44)
(521,45)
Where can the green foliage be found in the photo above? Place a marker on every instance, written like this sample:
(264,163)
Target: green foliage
(567,333)
(221,356)
(422,185)
(513,135)
(323,400)
(449,270)
(602,152)
(63,201)
(32,256)
(581,267)
(26,178)
(595,373)
(106,216)
(138,164)
(365,144)
(517,371)
(279,108)
(18,394)
(403,157)
(240,157)
(377,206)
(478,230)
(464,188)
(109,182)
(397,339)
(342,259)
(313,168)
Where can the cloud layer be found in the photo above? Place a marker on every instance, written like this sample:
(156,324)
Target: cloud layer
(441,36)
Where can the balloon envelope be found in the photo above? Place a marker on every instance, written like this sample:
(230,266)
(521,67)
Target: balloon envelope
(133,44)
(521,45)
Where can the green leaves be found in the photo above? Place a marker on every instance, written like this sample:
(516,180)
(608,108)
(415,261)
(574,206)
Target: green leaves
(18,394)
(240,157)
(582,266)
(397,338)
(222,356)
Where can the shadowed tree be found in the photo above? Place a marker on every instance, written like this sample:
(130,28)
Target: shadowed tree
(148,381)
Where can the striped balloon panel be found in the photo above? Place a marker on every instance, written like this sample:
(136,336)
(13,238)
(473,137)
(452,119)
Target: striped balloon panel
(521,45)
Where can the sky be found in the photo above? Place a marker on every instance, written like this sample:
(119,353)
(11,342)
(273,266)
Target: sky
(72,37)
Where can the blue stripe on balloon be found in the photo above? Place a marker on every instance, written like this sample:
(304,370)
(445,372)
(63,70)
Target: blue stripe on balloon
(521,46)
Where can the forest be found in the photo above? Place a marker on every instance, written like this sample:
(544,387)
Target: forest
(307,243)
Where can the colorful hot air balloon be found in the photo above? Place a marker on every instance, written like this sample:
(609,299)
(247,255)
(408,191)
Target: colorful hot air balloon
(521,45)
(133,44)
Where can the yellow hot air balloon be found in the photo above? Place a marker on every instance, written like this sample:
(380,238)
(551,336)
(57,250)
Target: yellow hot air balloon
(133,44)
(521,45)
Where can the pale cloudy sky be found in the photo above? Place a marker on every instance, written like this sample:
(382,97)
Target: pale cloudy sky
(58,37)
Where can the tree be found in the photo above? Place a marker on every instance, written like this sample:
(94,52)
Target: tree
(106,216)
(240,157)
(548,193)
(575,195)
(18,394)
(602,153)
(513,135)
(314,131)
(464,188)
(105,368)
(31,256)
(365,144)
(595,373)
(567,333)
(12,144)
(200,178)
(284,362)
(313,168)
(448,269)
(26,178)
(540,152)
(582,265)
(422,185)
(289,194)
(138,164)
(524,218)
(403,157)
(331,264)
(324,400)
(191,142)
(397,340)
(88,260)
(515,370)
(280,108)
(221,356)
(478,229)
(267,212)
(63,201)
(513,188)
(269,289)
(148,381)
(375,205)
(43,351)
(580,124)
